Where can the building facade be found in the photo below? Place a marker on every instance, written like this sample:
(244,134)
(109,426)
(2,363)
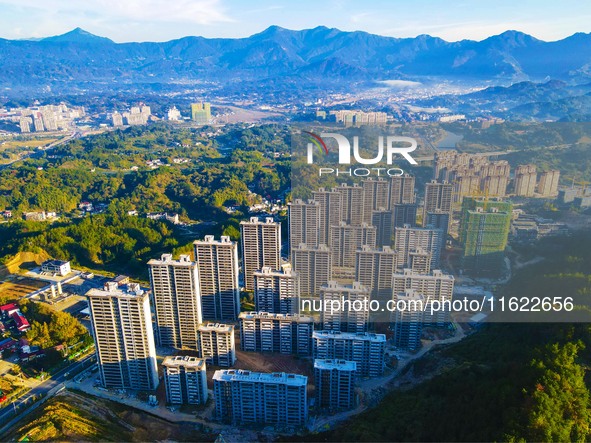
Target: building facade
(314,267)
(351,318)
(185,380)
(177,300)
(408,239)
(374,269)
(216,344)
(525,180)
(267,398)
(408,322)
(484,231)
(277,291)
(123,337)
(304,223)
(330,213)
(261,247)
(282,333)
(438,197)
(364,348)
(335,384)
(217,263)
(435,286)
(548,184)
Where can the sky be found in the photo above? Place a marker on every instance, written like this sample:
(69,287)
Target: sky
(162,20)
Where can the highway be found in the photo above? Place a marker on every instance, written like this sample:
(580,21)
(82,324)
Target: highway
(73,135)
(14,412)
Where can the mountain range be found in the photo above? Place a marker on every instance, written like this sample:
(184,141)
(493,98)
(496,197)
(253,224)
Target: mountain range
(319,54)
(527,100)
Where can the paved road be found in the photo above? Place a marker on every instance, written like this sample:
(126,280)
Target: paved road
(39,152)
(14,412)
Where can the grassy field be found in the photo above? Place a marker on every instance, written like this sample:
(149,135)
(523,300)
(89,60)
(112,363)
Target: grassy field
(12,150)
(31,143)
(73,416)
(14,286)
(16,289)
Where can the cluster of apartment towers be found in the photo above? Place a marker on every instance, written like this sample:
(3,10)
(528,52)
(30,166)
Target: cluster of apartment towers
(353,242)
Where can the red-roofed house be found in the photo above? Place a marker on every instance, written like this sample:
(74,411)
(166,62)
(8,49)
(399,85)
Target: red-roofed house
(8,310)
(21,322)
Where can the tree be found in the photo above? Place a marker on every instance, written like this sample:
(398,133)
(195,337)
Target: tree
(560,399)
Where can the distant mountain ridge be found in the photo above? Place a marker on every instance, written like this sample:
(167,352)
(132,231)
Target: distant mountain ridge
(551,100)
(318,54)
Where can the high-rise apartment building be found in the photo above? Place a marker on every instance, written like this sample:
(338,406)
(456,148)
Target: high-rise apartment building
(185,380)
(335,384)
(25,124)
(408,322)
(435,286)
(402,190)
(525,180)
(495,178)
(283,333)
(353,300)
(471,174)
(374,269)
(420,261)
(548,185)
(376,195)
(177,301)
(123,337)
(404,214)
(314,267)
(438,197)
(216,344)
(117,119)
(439,220)
(277,291)
(38,123)
(217,262)
(364,348)
(352,204)
(484,230)
(201,113)
(346,239)
(408,239)
(330,213)
(381,219)
(261,247)
(465,183)
(254,397)
(304,223)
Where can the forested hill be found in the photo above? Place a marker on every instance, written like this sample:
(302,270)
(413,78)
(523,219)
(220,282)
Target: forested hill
(197,177)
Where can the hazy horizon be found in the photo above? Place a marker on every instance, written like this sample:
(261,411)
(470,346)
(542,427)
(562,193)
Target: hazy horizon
(159,20)
(288,29)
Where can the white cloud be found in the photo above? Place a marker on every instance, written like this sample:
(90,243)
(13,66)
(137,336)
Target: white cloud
(202,12)
(361,17)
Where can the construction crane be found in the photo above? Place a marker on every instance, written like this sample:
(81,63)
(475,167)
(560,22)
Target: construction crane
(483,195)
(582,183)
(574,180)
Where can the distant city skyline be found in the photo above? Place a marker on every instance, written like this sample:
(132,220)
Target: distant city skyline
(160,20)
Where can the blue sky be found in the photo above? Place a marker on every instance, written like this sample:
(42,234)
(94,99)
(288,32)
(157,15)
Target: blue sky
(160,20)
